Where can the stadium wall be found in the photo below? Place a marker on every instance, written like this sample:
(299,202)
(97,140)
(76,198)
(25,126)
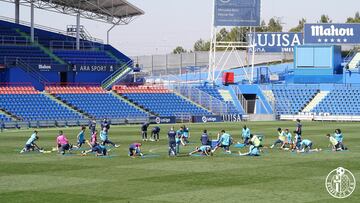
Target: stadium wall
(18,75)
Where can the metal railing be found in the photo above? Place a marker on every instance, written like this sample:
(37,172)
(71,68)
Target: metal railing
(84,33)
(115,75)
(46,28)
(29,69)
(15,40)
(55,44)
(207,101)
(351,55)
(11,60)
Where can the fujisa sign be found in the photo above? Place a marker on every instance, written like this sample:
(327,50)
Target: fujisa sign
(276,41)
(332,33)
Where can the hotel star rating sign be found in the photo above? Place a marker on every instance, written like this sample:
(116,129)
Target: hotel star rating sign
(332,33)
(332,40)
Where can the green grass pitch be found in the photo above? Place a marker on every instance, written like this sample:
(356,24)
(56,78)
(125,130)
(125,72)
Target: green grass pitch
(276,176)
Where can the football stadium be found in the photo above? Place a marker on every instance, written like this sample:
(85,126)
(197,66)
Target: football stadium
(253,113)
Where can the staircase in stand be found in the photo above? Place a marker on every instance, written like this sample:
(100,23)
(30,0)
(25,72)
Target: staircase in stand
(315,101)
(70,107)
(116,76)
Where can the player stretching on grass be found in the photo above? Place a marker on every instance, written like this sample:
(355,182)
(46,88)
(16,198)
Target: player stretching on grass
(204,150)
(186,134)
(306,146)
(104,137)
(225,141)
(92,126)
(81,137)
(100,150)
(335,145)
(205,138)
(340,138)
(288,140)
(245,135)
(297,141)
(93,139)
(30,144)
(253,150)
(180,138)
(155,134)
(281,138)
(135,150)
(62,143)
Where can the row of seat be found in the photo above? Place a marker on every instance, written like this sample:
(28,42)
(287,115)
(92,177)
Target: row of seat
(17,90)
(85,57)
(291,100)
(5,118)
(74,90)
(30,107)
(214,91)
(165,104)
(30,54)
(102,105)
(121,89)
(340,102)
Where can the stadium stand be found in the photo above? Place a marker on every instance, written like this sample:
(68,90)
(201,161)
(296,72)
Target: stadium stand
(340,101)
(9,36)
(292,99)
(31,55)
(29,105)
(85,57)
(139,89)
(214,91)
(96,102)
(160,101)
(4,118)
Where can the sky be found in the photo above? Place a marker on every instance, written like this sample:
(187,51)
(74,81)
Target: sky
(170,23)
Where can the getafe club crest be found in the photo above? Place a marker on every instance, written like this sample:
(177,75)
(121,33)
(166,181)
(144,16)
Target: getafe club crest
(340,183)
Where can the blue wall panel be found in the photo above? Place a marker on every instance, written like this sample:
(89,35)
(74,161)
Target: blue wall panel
(305,57)
(318,60)
(323,57)
(91,77)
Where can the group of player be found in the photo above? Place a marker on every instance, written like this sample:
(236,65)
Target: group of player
(287,142)
(180,137)
(255,142)
(63,144)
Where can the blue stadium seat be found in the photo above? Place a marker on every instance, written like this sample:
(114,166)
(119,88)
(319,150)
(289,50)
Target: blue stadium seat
(4,118)
(36,107)
(341,101)
(292,99)
(214,91)
(30,54)
(165,104)
(102,105)
(85,57)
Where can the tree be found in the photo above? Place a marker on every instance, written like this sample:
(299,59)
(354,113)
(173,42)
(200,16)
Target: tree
(179,50)
(222,34)
(202,45)
(325,19)
(356,19)
(274,25)
(262,27)
(300,26)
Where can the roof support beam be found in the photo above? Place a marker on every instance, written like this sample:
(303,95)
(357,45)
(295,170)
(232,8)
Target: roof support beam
(17,11)
(32,13)
(78,31)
